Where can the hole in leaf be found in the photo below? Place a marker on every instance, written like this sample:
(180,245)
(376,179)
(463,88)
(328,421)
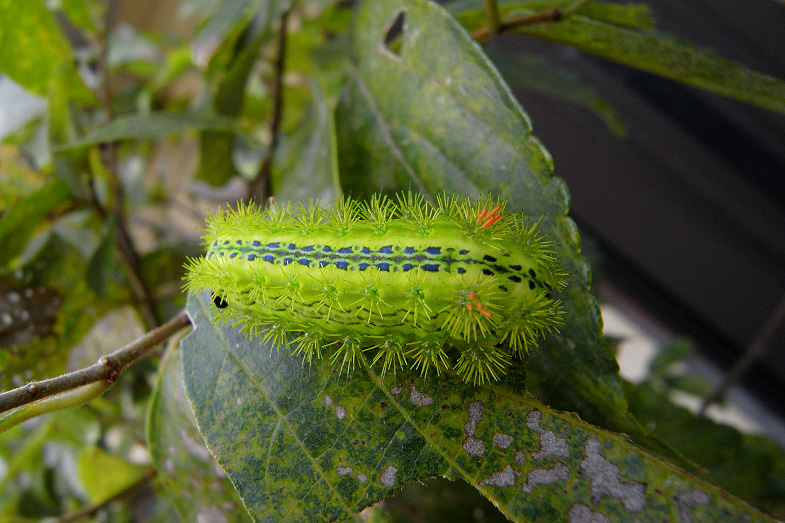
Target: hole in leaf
(393,37)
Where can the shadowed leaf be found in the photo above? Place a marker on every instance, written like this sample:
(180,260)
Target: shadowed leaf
(650,51)
(192,479)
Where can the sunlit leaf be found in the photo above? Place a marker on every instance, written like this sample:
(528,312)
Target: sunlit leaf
(306,443)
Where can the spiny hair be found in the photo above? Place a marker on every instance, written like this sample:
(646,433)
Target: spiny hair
(460,284)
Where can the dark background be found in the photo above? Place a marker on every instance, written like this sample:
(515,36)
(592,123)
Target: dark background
(688,209)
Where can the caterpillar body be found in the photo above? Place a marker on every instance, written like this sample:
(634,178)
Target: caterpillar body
(405,281)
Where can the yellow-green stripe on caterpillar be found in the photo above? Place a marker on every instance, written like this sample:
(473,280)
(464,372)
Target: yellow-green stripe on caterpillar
(405,281)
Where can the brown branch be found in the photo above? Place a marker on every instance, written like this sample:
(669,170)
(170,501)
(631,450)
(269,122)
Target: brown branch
(261,187)
(107,368)
(757,349)
(92,510)
(554,14)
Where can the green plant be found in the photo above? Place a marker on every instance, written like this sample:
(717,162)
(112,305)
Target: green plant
(307,101)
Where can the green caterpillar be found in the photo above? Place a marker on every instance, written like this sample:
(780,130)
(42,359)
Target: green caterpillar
(406,280)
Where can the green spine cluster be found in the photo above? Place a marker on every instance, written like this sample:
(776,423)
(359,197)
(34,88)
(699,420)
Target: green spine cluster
(405,281)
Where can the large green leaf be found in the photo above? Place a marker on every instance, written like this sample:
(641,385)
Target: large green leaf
(437,116)
(305,443)
(104,475)
(648,50)
(191,478)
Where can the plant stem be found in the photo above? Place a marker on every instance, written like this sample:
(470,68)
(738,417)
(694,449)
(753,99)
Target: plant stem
(757,349)
(107,368)
(554,14)
(494,19)
(125,243)
(261,187)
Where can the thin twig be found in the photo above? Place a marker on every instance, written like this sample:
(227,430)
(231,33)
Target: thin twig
(261,187)
(757,349)
(92,510)
(494,19)
(107,368)
(125,243)
(554,14)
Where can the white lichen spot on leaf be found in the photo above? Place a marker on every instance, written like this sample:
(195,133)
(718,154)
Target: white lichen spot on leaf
(580,513)
(503,478)
(606,479)
(689,499)
(551,445)
(503,441)
(419,398)
(558,472)
(389,477)
(472,444)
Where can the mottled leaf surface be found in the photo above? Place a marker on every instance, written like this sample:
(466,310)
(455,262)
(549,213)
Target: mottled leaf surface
(433,113)
(305,443)
(32,47)
(191,478)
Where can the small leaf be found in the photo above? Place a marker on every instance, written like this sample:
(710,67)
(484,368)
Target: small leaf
(101,266)
(104,475)
(17,179)
(674,352)
(192,479)
(18,224)
(154,125)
